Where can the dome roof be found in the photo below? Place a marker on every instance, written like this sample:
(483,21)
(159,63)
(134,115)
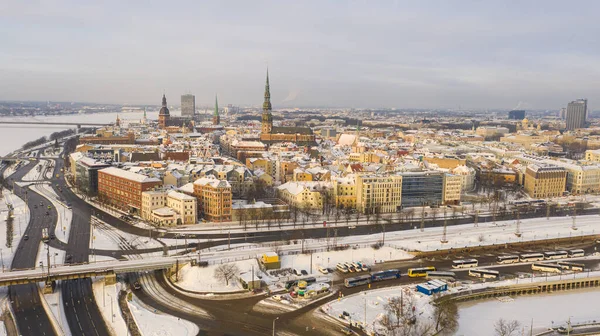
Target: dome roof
(164,110)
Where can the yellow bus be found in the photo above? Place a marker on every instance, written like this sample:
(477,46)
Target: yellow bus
(420,272)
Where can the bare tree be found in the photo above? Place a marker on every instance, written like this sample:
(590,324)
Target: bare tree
(506,328)
(445,316)
(226,272)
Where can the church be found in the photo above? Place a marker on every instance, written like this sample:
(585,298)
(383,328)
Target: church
(270,135)
(165,119)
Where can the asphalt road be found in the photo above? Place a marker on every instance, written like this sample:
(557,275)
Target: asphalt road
(81,310)
(30,316)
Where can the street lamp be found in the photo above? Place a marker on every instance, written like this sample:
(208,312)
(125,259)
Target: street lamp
(277,318)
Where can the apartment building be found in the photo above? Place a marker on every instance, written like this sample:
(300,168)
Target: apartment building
(214,199)
(123,189)
(304,194)
(344,191)
(543,181)
(452,188)
(378,193)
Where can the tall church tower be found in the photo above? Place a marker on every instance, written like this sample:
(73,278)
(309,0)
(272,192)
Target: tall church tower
(163,115)
(216,117)
(267,117)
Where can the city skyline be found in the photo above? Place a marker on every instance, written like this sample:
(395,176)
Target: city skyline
(473,55)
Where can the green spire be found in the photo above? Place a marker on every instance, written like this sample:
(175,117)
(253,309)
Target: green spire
(267,103)
(216,107)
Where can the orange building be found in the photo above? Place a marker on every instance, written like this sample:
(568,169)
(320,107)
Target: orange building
(123,189)
(214,199)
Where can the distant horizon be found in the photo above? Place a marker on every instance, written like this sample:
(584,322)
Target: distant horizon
(433,55)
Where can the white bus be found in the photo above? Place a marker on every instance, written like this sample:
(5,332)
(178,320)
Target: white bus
(487,274)
(466,263)
(441,275)
(576,253)
(507,259)
(531,257)
(551,268)
(555,255)
(572,266)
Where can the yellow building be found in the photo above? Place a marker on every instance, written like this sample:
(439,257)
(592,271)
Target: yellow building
(544,181)
(378,193)
(214,199)
(581,179)
(526,140)
(446,163)
(168,208)
(267,165)
(303,194)
(452,188)
(302,175)
(286,170)
(344,191)
(592,155)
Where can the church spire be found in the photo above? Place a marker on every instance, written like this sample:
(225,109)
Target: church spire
(216,117)
(216,106)
(267,103)
(164,101)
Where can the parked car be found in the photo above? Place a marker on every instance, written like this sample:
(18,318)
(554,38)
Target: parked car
(297,272)
(304,272)
(323,270)
(329,270)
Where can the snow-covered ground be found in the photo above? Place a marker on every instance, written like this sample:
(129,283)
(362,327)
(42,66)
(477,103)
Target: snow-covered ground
(107,299)
(371,305)
(546,310)
(9,239)
(54,303)
(201,279)
(36,173)
(57,257)
(330,259)
(154,323)
(106,237)
(12,168)
(489,233)
(65,214)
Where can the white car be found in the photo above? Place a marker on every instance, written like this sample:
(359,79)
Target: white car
(323,270)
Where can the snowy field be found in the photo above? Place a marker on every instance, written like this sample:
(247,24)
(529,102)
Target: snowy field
(489,233)
(9,238)
(374,310)
(154,323)
(107,301)
(201,279)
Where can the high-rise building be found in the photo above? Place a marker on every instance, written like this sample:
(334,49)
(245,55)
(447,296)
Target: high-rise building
(516,114)
(576,114)
(188,105)
(562,113)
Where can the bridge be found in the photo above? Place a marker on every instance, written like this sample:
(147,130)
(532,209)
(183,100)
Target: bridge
(103,268)
(78,124)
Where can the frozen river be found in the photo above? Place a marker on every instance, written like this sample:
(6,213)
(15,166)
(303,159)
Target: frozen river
(478,318)
(12,137)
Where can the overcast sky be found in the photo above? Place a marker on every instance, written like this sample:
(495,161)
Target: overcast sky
(421,54)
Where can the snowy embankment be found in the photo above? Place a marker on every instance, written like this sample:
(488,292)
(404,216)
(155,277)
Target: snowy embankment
(154,323)
(65,215)
(13,167)
(11,235)
(107,299)
(53,304)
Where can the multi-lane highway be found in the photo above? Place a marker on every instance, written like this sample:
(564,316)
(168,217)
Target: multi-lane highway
(30,316)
